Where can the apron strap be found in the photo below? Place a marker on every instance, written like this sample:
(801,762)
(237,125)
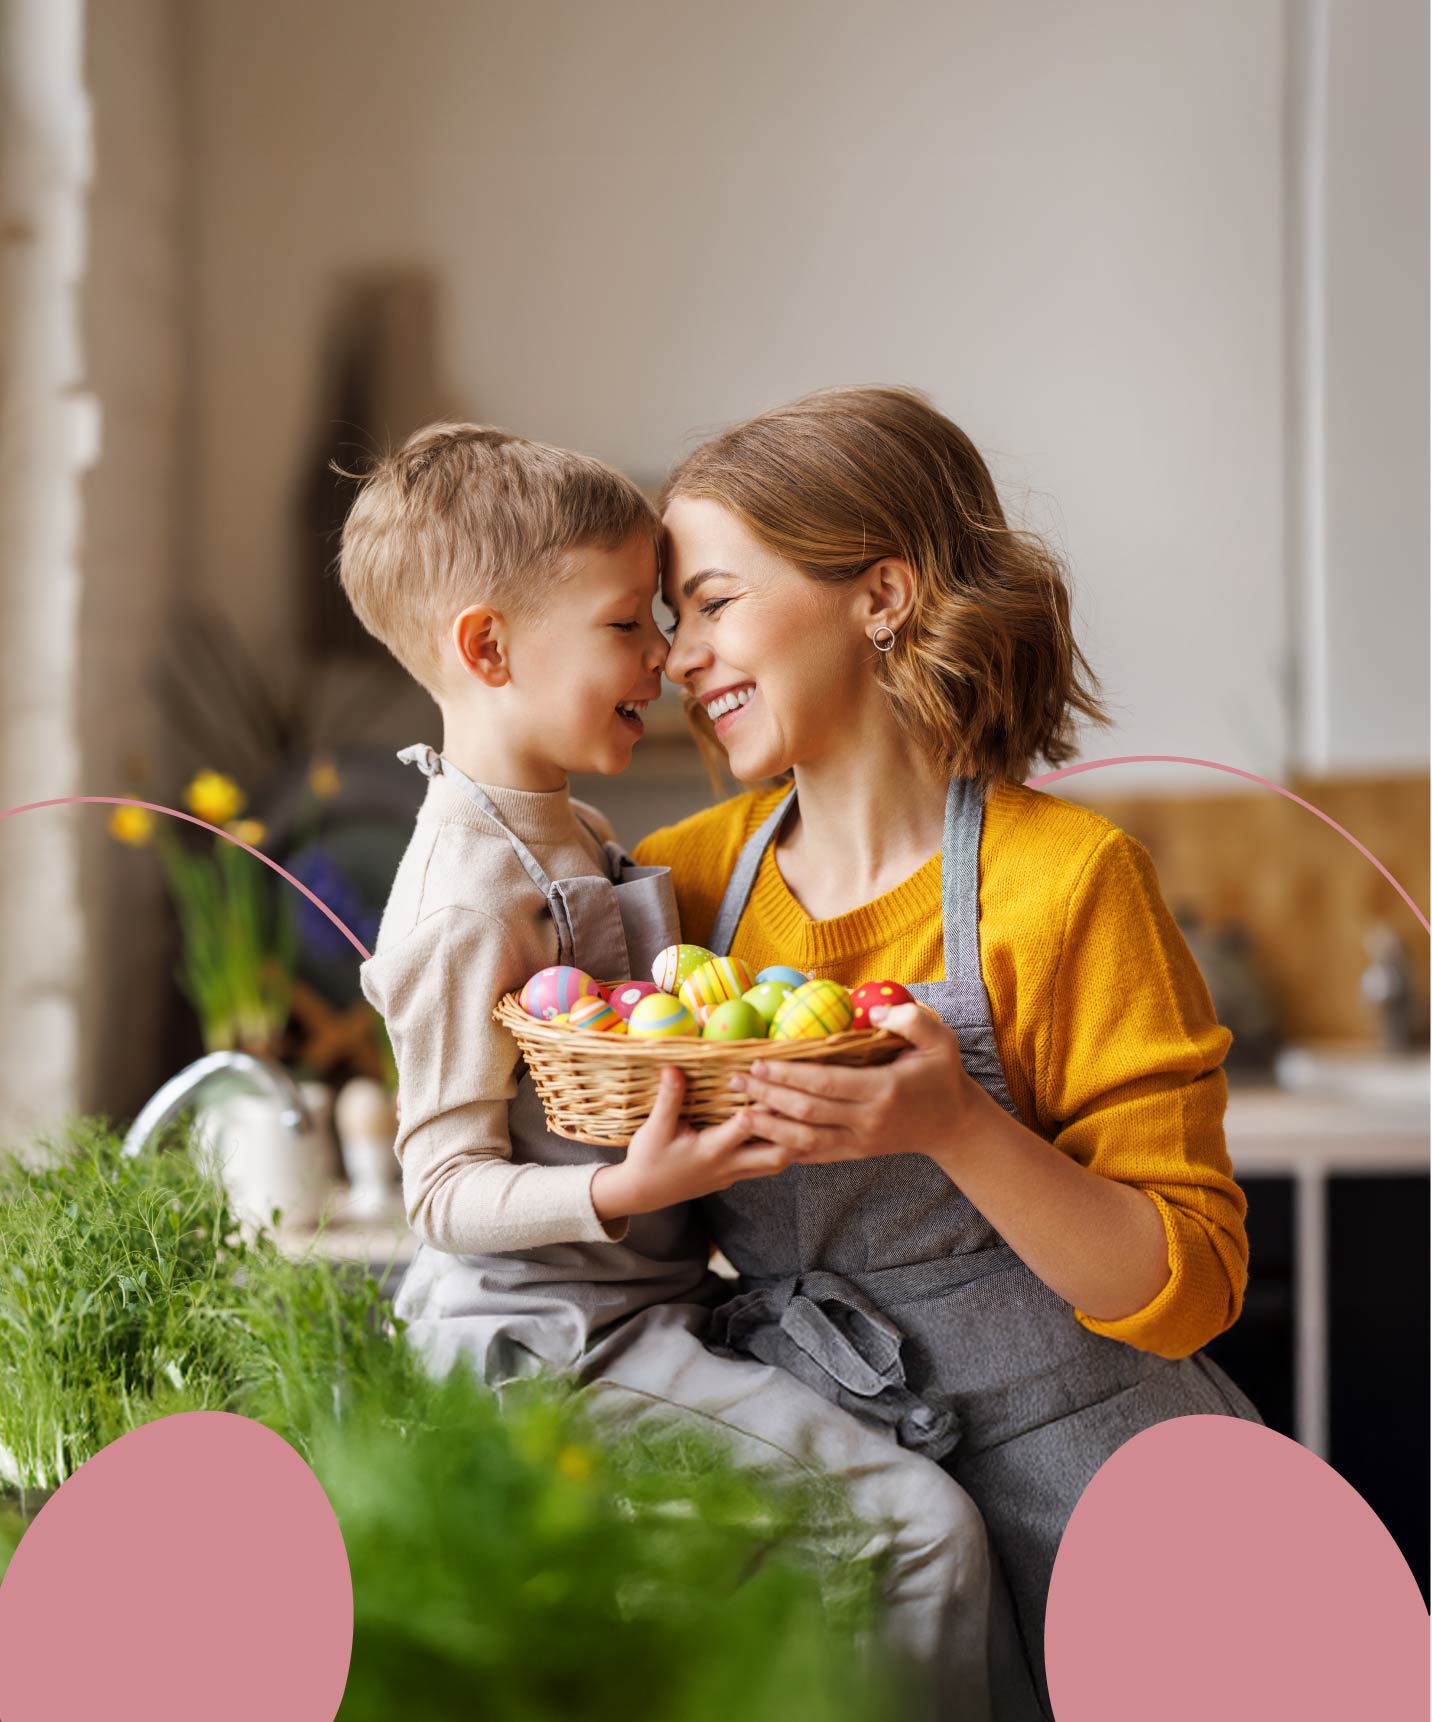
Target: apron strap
(432,764)
(743,877)
(959,880)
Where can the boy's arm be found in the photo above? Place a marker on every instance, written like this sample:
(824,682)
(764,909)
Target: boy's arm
(457,1076)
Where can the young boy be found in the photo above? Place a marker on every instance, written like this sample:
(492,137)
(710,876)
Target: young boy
(516,583)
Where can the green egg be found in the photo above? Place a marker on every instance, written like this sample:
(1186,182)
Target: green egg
(765,998)
(734,1020)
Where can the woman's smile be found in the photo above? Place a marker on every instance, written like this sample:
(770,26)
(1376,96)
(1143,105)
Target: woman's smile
(725,705)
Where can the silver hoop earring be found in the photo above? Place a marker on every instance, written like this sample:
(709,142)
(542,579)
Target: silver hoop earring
(888,643)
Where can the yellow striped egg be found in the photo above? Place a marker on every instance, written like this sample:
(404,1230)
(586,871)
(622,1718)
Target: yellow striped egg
(816,1009)
(659,1016)
(714,982)
(596,1014)
(676,963)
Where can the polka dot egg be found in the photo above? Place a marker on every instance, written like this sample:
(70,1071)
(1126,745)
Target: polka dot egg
(715,982)
(872,993)
(676,964)
(787,976)
(555,990)
(625,994)
(596,1014)
(659,1017)
(818,1008)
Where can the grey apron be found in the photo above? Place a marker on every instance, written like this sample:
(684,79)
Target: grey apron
(878,1283)
(523,1311)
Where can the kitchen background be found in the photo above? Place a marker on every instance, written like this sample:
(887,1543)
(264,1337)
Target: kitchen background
(1167,265)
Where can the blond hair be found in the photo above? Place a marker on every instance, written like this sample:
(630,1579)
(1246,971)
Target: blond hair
(986,671)
(464,513)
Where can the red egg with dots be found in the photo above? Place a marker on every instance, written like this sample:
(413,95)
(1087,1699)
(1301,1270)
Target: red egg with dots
(872,993)
(625,996)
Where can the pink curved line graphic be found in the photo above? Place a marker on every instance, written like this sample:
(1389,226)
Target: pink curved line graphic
(204,825)
(1040,782)
(1049,777)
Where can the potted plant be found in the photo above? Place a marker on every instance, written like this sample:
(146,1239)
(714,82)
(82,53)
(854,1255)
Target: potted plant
(236,969)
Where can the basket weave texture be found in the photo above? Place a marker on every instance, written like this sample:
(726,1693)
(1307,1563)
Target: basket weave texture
(599,1088)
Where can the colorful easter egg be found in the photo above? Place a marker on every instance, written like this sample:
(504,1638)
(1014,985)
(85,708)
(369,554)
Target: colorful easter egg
(556,989)
(734,1020)
(625,994)
(714,982)
(659,1016)
(780,972)
(676,964)
(562,1019)
(767,997)
(818,1008)
(596,1014)
(870,993)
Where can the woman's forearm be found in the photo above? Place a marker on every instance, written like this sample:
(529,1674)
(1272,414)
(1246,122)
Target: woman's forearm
(1099,1244)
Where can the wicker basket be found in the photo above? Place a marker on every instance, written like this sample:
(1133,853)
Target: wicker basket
(599,1087)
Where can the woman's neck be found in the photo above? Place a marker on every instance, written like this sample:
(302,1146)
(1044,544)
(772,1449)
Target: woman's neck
(871,813)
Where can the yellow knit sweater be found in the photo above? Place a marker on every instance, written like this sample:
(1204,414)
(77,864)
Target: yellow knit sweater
(1104,1025)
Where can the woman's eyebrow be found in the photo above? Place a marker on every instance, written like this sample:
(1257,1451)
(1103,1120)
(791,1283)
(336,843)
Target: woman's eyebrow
(688,587)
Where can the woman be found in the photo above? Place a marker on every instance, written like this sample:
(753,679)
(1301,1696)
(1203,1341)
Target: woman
(1033,1225)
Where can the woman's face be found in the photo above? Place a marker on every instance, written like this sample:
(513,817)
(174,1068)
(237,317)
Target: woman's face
(780,661)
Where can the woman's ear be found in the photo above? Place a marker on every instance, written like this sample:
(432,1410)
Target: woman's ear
(479,637)
(888,594)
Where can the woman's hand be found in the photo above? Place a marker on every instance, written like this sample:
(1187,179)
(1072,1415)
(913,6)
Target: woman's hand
(914,1105)
(668,1162)
(1099,1244)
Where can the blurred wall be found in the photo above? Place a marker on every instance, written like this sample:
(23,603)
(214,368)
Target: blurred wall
(134,330)
(1367,681)
(645,220)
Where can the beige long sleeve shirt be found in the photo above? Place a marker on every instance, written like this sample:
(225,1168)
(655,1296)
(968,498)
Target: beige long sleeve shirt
(463,925)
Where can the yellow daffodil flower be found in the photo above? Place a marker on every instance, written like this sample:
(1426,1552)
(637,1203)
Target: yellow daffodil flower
(215,798)
(576,1463)
(250,831)
(132,825)
(323,779)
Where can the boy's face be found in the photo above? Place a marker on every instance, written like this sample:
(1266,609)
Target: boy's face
(584,669)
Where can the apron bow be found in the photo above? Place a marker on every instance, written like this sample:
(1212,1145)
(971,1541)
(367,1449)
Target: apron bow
(827,1334)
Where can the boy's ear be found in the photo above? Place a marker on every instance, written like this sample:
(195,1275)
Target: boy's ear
(479,637)
(888,594)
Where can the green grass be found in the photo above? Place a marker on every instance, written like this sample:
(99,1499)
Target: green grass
(507,1560)
(127,1293)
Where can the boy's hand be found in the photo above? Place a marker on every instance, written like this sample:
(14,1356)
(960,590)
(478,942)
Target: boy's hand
(668,1162)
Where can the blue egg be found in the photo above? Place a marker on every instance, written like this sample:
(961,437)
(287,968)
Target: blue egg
(780,972)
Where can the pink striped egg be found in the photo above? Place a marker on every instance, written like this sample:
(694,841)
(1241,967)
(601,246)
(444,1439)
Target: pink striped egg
(555,990)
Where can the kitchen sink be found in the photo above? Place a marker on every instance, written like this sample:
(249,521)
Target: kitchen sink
(1395,1081)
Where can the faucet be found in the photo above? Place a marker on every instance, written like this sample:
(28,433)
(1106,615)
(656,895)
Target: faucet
(261,1074)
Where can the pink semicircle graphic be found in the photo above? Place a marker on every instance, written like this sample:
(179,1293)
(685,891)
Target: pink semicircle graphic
(192,1568)
(1216,1569)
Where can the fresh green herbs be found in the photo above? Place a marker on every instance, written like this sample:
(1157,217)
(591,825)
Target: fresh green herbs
(510,1559)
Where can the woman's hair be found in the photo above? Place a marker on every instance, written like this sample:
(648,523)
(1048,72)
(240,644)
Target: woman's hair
(986,670)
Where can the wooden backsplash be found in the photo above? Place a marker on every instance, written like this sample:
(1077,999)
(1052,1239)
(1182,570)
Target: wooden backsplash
(1304,896)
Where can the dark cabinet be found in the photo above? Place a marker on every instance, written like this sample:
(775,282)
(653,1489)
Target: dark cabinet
(1377,1332)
